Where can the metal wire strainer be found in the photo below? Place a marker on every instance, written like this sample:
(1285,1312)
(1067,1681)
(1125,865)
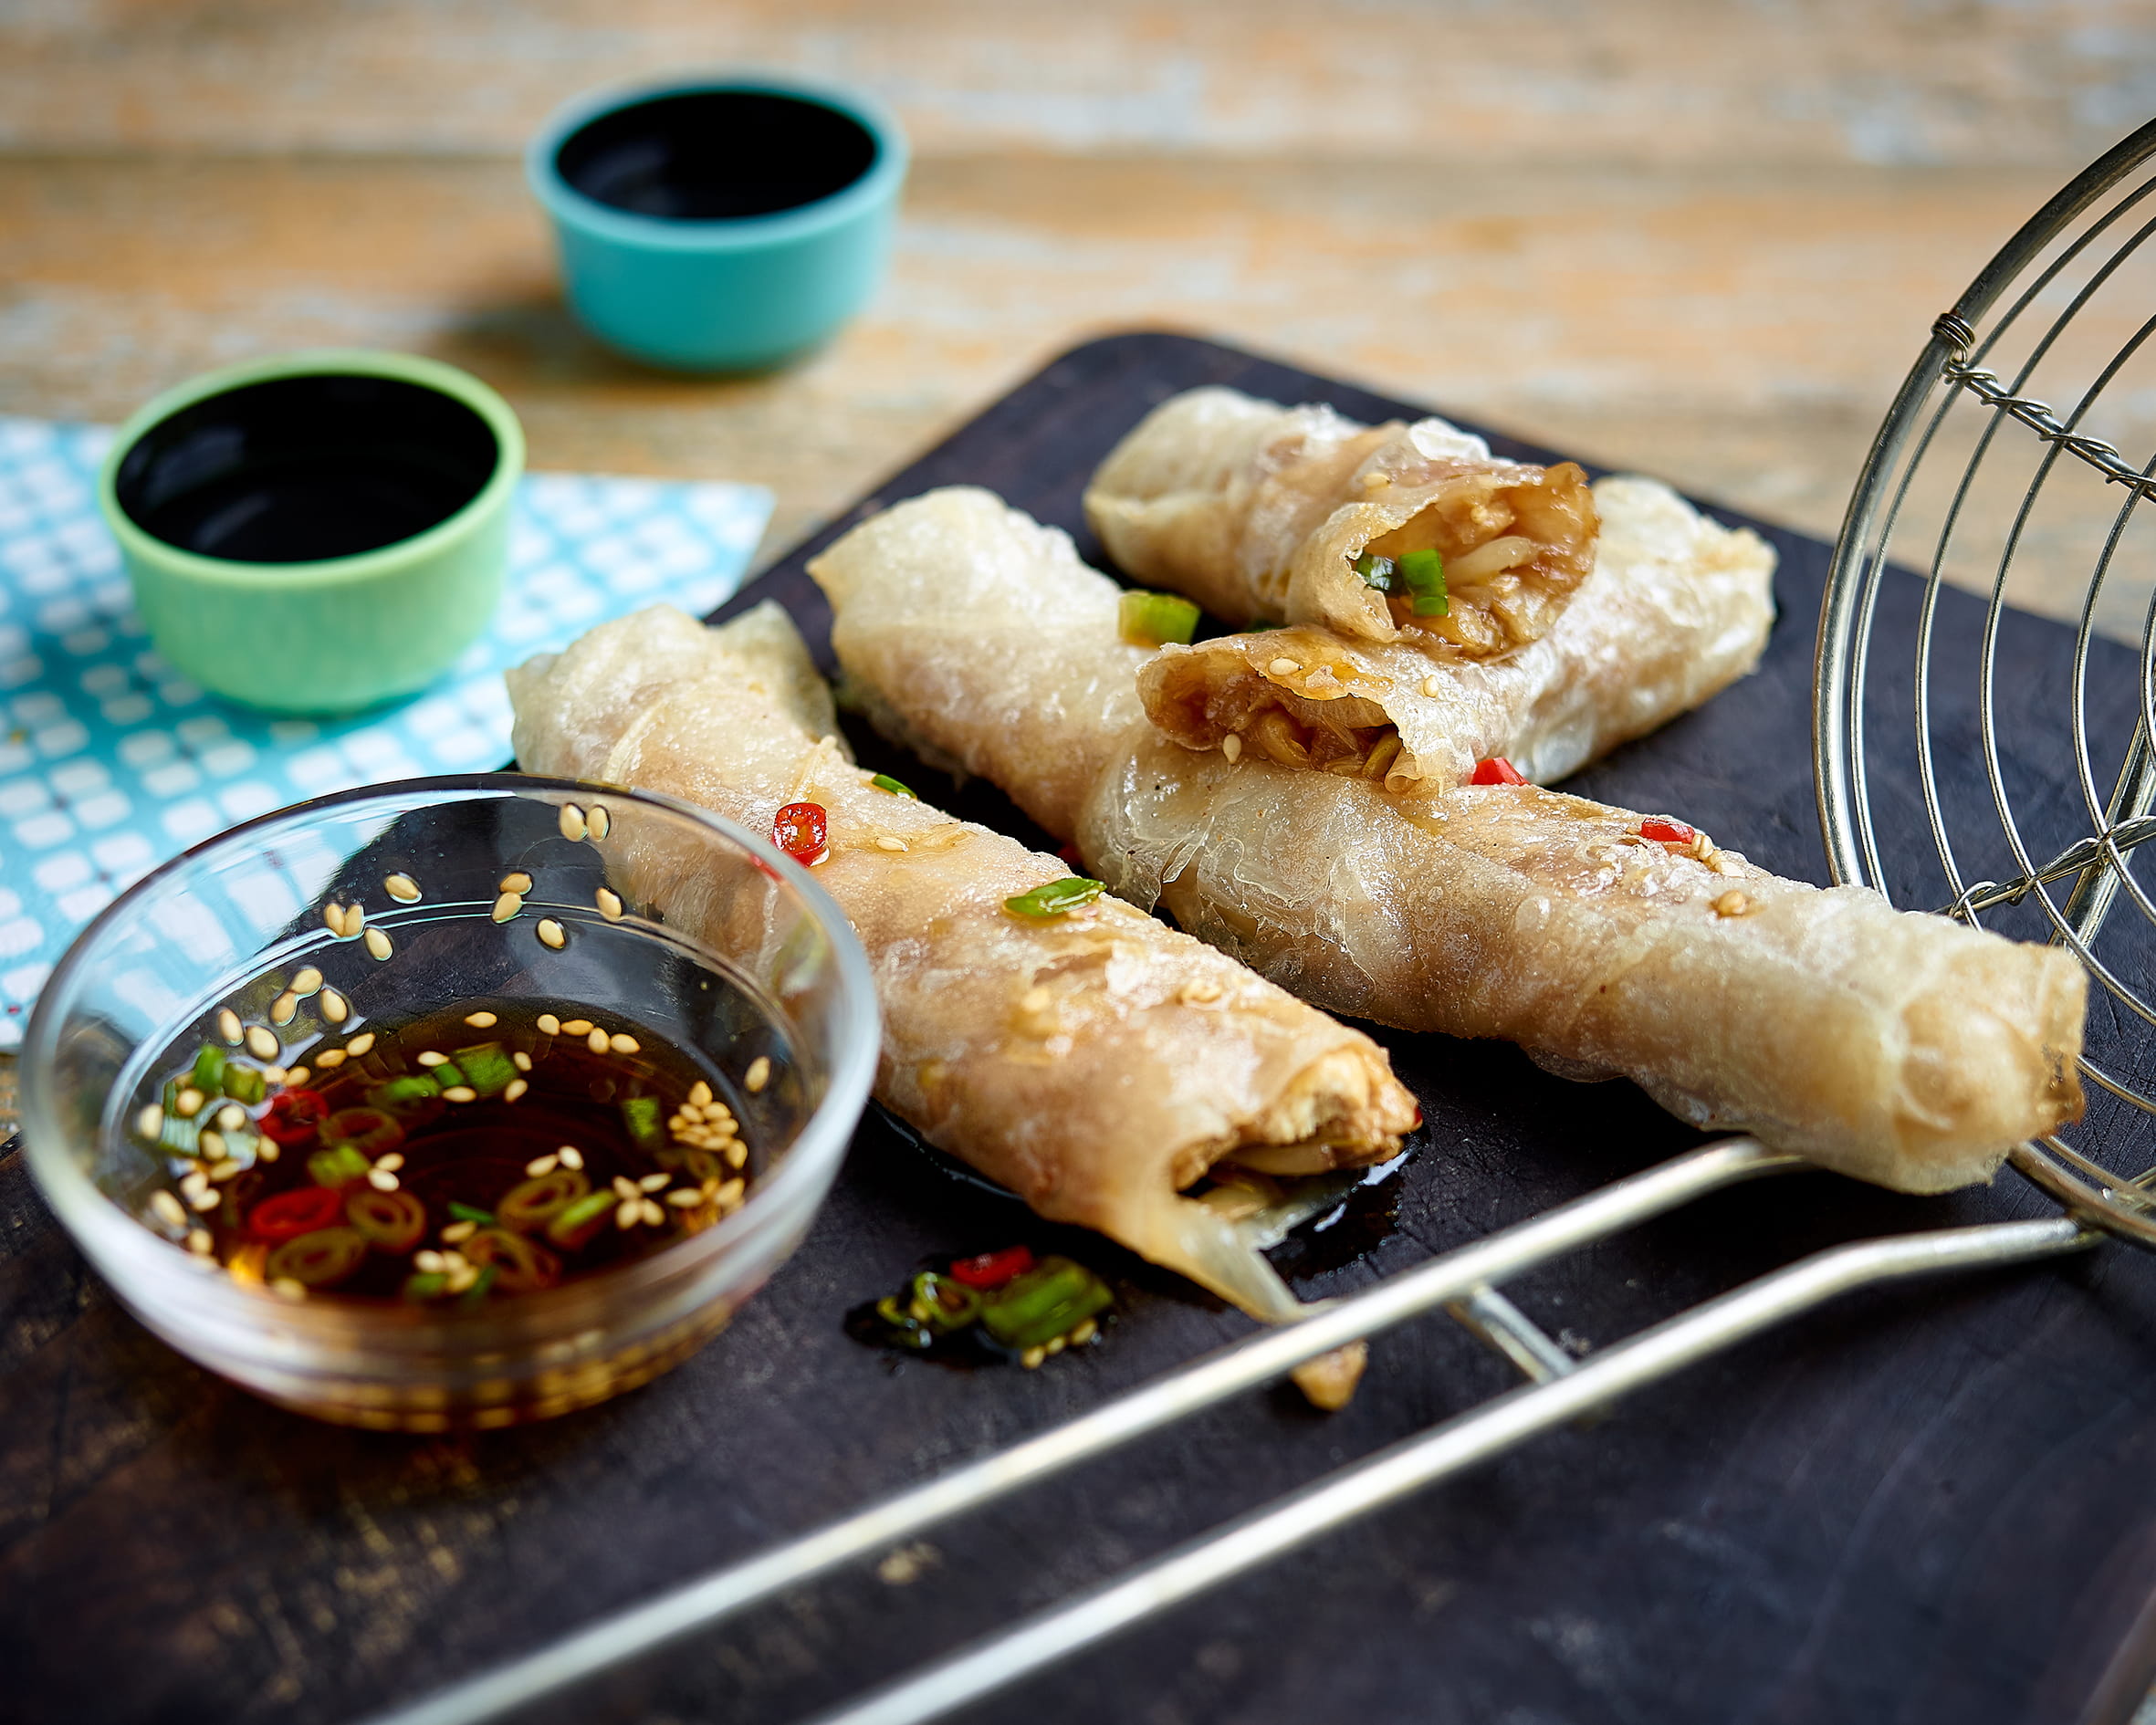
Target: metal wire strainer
(2006,501)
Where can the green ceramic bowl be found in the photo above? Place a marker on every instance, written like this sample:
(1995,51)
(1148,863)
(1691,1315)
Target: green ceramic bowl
(316,532)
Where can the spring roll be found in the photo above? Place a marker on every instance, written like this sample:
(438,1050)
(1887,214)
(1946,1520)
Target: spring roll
(1677,609)
(1096,1062)
(1895,1046)
(1297,514)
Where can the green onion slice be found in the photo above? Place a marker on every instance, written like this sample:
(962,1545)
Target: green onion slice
(640,1120)
(1052,1298)
(1424,571)
(883,782)
(319,1259)
(1378,572)
(394,1222)
(208,1076)
(1153,620)
(575,1226)
(471,1213)
(341,1165)
(486,1068)
(1052,898)
(517,1265)
(540,1200)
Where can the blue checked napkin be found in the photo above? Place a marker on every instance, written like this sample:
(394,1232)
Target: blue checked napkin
(111,762)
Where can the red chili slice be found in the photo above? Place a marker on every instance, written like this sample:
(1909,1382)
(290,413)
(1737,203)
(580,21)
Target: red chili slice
(801,831)
(1666,832)
(992,1270)
(1497,770)
(294,1116)
(291,1213)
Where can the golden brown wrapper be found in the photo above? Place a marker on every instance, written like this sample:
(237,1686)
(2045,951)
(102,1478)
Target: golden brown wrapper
(1677,608)
(1259,512)
(1891,1045)
(1096,1063)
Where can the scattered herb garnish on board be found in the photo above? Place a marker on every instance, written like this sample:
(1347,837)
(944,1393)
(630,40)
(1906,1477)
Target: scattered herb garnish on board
(996,1306)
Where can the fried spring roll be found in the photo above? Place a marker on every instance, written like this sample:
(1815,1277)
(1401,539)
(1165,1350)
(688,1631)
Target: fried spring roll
(1096,1062)
(1297,514)
(1895,1046)
(1677,608)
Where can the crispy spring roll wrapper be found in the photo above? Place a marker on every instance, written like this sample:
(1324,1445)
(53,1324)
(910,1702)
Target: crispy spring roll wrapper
(1895,1046)
(1096,1063)
(1259,512)
(1677,608)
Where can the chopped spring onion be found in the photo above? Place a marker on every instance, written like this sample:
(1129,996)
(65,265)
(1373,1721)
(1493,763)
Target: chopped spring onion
(1153,620)
(486,1068)
(1045,1302)
(341,1166)
(320,1259)
(575,1224)
(244,1083)
(1424,572)
(471,1213)
(1052,898)
(208,1076)
(883,782)
(640,1120)
(1380,572)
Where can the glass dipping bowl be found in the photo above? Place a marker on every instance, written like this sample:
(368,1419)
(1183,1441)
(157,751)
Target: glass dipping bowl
(704,936)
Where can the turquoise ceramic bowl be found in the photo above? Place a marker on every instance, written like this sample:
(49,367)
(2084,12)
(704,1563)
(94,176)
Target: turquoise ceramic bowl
(711,279)
(317,532)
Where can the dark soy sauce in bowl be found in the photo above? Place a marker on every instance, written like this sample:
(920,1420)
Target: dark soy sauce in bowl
(299,469)
(715,155)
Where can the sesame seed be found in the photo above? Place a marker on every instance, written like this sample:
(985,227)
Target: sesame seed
(393,1162)
(622,1042)
(1377,481)
(226,1171)
(377,944)
(189,1103)
(650,1214)
(1085,1332)
(549,1024)
(730,1195)
(359,1044)
(1282,667)
(598,1041)
(514,1089)
(284,1008)
(575,1027)
(540,1165)
(461,1279)
(381,1179)
(205,1200)
(1231,747)
(736,1152)
(1731,904)
(193,1181)
(571,1157)
(334,1007)
(262,1043)
(609,903)
(598,820)
(232,1117)
(630,1213)
(624,1188)
(228,1025)
(1432,683)
(757,1077)
(427,1263)
(551,934)
(211,1143)
(686,1112)
(200,1242)
(516,881)
(266,1150)
(333,919)
(685,1197)
(460,1094)
(274,1076)
(456,1233)
(1032,1357)
(700,1093)
(1054,1346)
(307,982)
(149,1123)
(506,906)
(433,1057)
(888,841)
(523,1060)
(297,1076)
(654,1182)
(1201,993)
(329,1059)
(572,822)
(1035,1000)
(480,1020)
(167,1209)
(402,888)
(286,1288)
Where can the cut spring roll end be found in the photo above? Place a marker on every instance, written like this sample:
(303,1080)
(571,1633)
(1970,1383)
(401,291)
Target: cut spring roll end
(1094,1062)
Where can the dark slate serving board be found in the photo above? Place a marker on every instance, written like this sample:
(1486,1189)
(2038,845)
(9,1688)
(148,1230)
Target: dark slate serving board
(1925,1504)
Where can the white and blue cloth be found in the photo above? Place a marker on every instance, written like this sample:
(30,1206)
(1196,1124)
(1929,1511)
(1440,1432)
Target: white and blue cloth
(111,762)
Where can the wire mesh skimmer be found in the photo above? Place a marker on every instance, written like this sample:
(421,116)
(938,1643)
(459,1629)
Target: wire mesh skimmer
(2002,491)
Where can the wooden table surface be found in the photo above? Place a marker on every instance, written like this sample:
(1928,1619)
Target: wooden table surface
(1701,240)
